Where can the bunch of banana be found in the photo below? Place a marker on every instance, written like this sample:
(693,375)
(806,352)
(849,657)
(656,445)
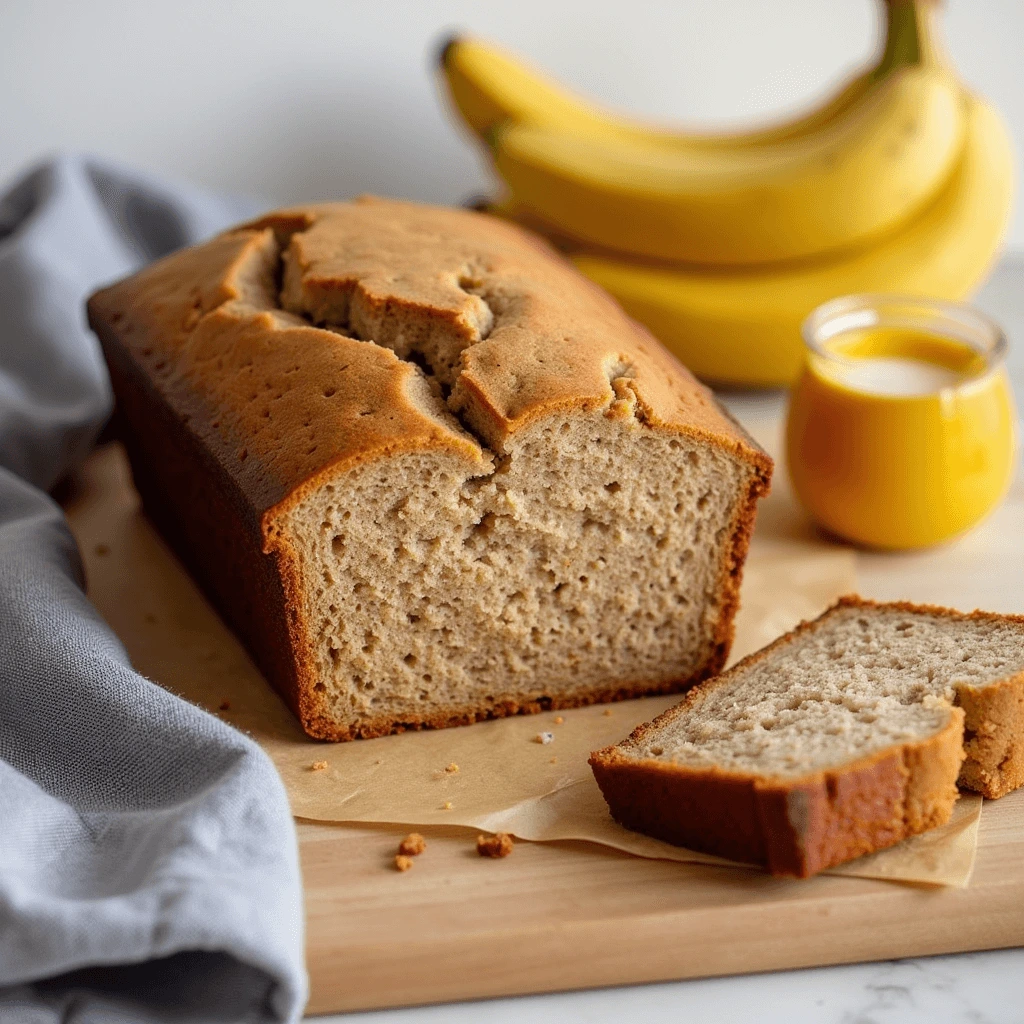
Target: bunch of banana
(723,244)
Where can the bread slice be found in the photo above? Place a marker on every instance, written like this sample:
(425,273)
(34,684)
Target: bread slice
(842,737)
(427,471)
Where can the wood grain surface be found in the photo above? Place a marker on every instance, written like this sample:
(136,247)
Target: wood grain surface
(555,916)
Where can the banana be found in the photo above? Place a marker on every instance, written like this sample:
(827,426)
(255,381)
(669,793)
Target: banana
(866,173)
(901,182)
(743,328)
(846,173)
(489,87)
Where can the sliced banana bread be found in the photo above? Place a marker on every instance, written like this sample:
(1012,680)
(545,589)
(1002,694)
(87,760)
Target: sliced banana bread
(842,737)
(427,471)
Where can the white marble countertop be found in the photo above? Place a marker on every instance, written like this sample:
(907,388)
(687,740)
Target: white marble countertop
(968,988)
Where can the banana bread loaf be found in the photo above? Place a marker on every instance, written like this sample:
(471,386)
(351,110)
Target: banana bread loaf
(426,471)
(842,737)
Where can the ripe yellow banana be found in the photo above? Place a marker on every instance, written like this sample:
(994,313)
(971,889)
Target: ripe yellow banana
(850,171)
(743,327)
(865,173)
(490,87)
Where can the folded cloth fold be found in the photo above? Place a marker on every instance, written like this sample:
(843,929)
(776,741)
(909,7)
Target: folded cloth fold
(148,864)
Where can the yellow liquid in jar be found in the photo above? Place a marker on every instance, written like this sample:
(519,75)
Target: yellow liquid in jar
(900,439)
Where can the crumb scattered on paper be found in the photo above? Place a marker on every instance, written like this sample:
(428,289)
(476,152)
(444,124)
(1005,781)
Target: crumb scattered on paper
(318,766)
(498,845)
(403,863)
(559,720)
(544,737)
(452,768)
(607,712)
(412,845)
(446,806)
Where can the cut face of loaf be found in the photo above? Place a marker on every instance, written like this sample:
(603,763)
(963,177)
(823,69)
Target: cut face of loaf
(842,737)
(588,567)
(426,471)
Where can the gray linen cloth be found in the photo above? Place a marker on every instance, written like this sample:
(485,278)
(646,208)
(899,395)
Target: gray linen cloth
(148,863)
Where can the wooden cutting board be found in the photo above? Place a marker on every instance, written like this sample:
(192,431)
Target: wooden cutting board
(568,915)
(571,915)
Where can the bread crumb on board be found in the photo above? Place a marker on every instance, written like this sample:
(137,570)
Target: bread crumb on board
(498,845)
(402,863)
(102,549)
(559,720)
(607,712)
(554,760)
(544,737)
(318,766)
(452,768)
(446,806)
(225,705)
(412,845)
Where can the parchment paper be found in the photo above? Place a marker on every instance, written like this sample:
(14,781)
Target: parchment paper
(494,776)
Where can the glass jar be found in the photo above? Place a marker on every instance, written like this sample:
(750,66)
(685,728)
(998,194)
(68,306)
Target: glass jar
(901,428)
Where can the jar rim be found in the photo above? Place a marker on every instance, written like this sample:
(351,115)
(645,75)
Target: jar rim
(956,321)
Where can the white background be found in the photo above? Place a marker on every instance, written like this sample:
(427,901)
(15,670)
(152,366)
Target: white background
(305,99)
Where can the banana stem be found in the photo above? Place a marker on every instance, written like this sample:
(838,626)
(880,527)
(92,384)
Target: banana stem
(911,36)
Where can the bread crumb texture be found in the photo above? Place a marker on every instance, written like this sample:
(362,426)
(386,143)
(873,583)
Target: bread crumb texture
(498,845)
(843,737)
(856,681)
(318,766)
(412,845)
(484,489)
(402,862)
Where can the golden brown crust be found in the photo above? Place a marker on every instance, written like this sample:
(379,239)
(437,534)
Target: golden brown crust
(993,737)
(732,574)
(797,826)
(239,348)
(264,391)
(842,813)
(460,267)
(205,517)
(326,728)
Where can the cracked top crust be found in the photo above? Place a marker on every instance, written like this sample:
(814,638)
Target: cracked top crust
(316,338)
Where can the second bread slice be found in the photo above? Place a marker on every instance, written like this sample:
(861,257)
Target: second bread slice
(841,738)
